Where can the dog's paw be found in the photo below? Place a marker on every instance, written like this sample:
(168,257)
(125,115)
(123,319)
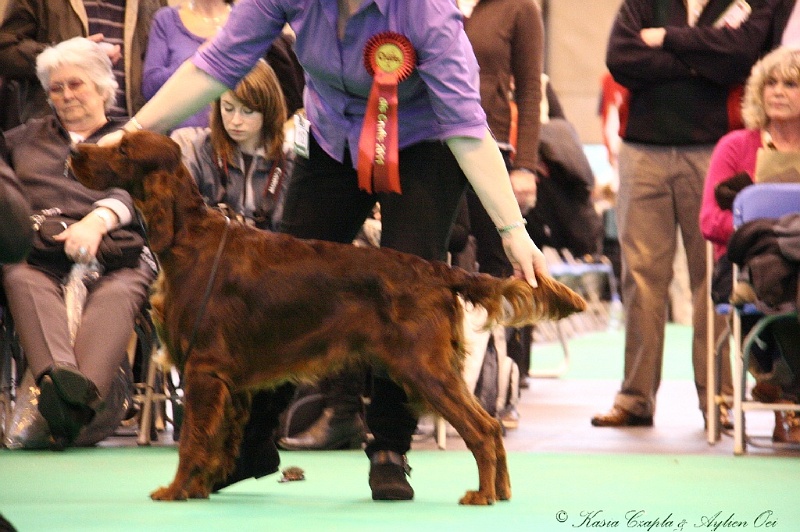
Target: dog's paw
(476,498)
(503,493)
(169,494)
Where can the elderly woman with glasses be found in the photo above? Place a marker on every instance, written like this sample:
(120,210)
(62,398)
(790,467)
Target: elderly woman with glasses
(74,369)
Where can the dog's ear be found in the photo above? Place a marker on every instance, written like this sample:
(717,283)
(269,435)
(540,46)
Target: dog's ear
(158,209)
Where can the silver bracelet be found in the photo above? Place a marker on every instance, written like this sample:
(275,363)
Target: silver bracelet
(135,123)
(506,228)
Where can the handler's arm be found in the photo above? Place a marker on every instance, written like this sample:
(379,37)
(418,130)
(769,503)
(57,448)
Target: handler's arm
(186,92)
(486,171)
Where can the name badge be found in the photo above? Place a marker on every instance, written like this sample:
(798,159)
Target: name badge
(736,15)
(302,128)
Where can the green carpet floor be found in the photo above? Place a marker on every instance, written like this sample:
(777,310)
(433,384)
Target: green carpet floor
(106,490)
(600,356)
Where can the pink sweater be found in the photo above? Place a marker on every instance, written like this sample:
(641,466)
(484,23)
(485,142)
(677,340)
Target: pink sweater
(734,153)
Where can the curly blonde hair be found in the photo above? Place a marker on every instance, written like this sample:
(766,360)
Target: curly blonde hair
(781,63)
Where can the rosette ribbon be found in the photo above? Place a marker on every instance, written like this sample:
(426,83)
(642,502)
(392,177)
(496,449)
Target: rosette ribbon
(389,58)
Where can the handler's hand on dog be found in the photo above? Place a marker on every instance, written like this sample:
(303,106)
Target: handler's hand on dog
(111,139)
(527,259)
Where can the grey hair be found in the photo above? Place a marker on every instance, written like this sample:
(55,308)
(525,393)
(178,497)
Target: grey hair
(82,53)
(784,63)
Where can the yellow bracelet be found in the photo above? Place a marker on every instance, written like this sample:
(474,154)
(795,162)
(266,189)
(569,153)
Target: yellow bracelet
(506,228)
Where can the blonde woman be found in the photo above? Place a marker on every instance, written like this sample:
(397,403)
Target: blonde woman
(771,113)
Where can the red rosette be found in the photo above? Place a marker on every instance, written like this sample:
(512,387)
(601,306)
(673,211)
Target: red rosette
(389,58)
(390,53)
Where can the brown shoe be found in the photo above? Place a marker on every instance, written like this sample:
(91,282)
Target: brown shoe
(619,417)
(787,427)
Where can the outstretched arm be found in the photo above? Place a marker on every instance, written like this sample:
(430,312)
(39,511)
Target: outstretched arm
(186,92)
(481,161)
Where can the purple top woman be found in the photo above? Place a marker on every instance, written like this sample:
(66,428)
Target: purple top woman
(175,35)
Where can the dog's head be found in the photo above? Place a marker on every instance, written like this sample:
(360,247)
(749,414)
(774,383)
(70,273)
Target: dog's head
(126,164)
(150,168)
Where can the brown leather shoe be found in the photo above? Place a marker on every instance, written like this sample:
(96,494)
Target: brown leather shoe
(619,417)
(787,427)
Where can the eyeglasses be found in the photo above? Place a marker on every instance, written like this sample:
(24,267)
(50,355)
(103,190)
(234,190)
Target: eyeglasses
(74,85)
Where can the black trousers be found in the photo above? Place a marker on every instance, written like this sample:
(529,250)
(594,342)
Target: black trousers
(323,201)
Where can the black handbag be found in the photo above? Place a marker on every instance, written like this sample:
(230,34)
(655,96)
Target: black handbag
(120,248)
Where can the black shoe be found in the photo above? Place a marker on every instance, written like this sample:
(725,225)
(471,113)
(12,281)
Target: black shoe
(327,433)
(64,419)
(387,477)
(75,388)
(252,462)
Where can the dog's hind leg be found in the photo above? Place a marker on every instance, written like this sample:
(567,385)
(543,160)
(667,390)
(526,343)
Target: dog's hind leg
(483,436)
(445,391)
(206,424)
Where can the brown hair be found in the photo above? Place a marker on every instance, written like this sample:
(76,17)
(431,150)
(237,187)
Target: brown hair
(261,92)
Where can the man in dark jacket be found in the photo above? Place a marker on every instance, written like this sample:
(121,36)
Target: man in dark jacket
(682,68)
(15,222)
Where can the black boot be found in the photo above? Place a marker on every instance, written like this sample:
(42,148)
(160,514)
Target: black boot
(341,424)
(328,432)
(387,477)
(258,455)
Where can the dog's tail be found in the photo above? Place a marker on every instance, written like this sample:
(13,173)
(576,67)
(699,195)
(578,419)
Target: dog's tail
(513,302)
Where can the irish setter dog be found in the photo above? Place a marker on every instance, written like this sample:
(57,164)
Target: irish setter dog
(281,308)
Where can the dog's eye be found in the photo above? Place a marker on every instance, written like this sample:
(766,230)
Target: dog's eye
(123,150)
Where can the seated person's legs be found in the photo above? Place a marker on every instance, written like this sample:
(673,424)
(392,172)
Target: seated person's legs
(74,381)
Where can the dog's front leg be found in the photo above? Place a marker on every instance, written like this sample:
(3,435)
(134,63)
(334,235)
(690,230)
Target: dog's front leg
(205,427)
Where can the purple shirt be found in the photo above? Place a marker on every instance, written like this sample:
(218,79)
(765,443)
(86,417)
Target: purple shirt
(169,44)
(438,101)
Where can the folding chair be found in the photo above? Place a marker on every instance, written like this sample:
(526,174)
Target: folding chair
(714,354)
(155,386)
(765,200)
(154,389)
(11,369)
